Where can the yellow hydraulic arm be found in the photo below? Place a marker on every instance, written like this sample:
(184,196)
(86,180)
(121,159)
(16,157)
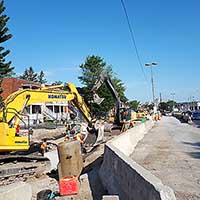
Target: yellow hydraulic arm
(15,104)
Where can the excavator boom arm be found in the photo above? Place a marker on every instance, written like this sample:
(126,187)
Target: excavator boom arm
(104,78)
(20,99)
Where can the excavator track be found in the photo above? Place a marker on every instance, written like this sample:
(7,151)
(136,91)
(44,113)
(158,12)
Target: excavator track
(20,165)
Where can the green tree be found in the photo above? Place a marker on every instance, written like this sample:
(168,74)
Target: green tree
(5,67)
(91,69)
(10,74)
(170,105)
(134,104)
(167,106)
(163,106)
(29,75)
(58,83)
(148,106)
(120,87)
(41,77)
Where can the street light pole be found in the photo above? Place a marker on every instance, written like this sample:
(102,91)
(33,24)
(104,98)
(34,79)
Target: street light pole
(152,81)
(173,98)
(152,84)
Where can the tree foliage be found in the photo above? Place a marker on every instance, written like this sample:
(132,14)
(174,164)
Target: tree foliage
(58,83)
(91,69)
(10,74)
(134,104)
(41,77)
(5,67)
(30,75)
(167,106)
(148,106)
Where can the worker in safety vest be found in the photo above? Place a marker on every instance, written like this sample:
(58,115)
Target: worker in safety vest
(43,147)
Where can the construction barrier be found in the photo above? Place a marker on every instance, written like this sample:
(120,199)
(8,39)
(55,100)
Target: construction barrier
(122,176)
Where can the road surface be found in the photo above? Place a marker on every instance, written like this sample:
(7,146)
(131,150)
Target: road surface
(171,151)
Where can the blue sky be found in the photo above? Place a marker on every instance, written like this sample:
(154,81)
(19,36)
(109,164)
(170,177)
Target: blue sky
(56,37)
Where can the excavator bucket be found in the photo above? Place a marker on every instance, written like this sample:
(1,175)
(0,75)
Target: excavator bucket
(99,126)
(95,136)
(97,99)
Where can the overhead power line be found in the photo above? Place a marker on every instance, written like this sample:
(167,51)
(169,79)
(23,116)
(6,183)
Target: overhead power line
(133,39)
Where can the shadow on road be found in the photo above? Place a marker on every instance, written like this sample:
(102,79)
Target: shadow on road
(196,145)
(195,155)
(181,119)
(195,123)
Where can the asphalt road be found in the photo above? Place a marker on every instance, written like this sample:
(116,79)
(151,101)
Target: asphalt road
(171,151)
(195,123)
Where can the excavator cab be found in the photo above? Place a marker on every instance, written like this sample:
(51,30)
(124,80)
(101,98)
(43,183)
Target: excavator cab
(12,139)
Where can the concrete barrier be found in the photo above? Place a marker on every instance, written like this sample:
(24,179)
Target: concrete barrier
(122,176)
(127,141)
(16,191)
(110,197)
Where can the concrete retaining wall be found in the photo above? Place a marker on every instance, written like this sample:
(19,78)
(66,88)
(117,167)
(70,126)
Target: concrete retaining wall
(124,177)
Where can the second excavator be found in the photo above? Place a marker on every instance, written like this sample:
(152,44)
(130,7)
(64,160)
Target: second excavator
(123,115)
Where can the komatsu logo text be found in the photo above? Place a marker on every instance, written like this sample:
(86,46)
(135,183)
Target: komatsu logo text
(21,142)
(56,96)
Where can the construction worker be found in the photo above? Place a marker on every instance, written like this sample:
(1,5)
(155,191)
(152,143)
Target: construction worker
(17,128)
(43,147)
(67,130)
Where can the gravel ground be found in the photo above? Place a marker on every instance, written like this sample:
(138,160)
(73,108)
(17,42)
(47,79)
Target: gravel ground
(39,134)
(171,151)
(89,185)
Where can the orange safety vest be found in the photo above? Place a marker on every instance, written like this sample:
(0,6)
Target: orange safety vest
(43,145)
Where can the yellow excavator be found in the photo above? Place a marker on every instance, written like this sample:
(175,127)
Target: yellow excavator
(123,116)
(13,107)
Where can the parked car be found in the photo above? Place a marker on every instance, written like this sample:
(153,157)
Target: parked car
(176,114)
(195,115)
(167,113)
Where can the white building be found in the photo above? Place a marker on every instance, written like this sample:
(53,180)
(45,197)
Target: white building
(40,112)
(189,106)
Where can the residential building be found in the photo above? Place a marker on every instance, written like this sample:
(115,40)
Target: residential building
(37,112)
(184,106)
